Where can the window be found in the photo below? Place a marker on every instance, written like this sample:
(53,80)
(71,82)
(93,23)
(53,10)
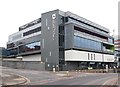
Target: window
(30,24)
(90,32)
(110,40)
(86,43)
(76,39)
(10,45)
(82,42)
(89,44)
(12,52)
(32,31)
(30,47)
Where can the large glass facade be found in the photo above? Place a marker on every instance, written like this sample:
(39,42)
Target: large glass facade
(29,47)
(81,42)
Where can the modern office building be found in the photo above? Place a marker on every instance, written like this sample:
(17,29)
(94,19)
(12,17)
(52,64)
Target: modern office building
(64,41)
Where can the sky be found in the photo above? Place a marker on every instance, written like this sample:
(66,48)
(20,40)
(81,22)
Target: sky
(15,13)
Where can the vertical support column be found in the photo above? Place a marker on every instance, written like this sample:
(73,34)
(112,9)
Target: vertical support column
(50,39)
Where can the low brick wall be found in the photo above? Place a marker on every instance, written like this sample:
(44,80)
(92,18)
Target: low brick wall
(34,65)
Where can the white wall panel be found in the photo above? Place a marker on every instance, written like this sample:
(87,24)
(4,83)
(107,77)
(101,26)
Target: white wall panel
(74,55)
(32,58)
(108,58)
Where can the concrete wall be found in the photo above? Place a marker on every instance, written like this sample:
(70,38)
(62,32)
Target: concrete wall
(24,65)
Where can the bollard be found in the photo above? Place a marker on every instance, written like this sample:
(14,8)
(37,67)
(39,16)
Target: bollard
(53,69)
(76,71)
(67,73)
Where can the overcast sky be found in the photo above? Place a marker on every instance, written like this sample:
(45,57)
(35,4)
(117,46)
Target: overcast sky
(15,13)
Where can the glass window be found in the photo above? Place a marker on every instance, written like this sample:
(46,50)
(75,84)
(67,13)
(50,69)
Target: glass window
(82,42)
(30,47)
(12,52)
(91,44)
(86,43)
(10,45)
(110,40)
(94,44)
(99,46)
(32,31)
(79,41)
(75,41)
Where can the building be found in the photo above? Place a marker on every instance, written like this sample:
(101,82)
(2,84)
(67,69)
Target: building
(117,49)
(3,52)
(117,43)
(64,41)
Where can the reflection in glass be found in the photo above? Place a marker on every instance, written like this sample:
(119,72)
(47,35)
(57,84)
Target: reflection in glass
(29,47)
(86,43)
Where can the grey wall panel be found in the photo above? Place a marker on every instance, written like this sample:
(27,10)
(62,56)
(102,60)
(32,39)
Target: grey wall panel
(49,37)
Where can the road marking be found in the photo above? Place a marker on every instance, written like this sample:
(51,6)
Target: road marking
(109,81)
(24,83)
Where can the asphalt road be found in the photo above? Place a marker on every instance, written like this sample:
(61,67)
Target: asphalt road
(49,78)
(99,79)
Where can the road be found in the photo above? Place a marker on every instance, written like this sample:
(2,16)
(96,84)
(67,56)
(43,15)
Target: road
(35,77)
(96,79)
